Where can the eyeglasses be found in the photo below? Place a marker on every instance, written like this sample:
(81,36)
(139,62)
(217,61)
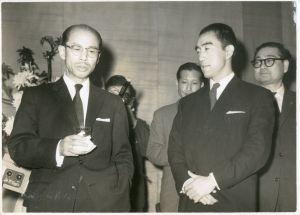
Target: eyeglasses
(257,63)
(77,50)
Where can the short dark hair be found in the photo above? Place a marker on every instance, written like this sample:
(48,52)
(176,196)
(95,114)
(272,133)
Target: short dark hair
(189,66)
(67,32)
(119,80)
(223,32)
(283,52)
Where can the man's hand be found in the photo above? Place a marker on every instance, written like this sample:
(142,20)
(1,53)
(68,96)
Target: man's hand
(200,188)
(75,145)
(208,200)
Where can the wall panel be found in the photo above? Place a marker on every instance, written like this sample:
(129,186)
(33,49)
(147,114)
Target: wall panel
(145,41)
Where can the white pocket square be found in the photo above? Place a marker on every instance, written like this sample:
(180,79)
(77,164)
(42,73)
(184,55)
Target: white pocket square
(103,119)
(234,111)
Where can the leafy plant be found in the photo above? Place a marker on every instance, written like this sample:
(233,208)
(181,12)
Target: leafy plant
(26,59)
(48,55)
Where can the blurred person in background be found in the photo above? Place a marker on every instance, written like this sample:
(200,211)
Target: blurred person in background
(139,134)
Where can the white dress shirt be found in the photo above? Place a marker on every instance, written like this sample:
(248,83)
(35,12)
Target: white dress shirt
(84,92)
(279,96)
(223,83)
(84,95)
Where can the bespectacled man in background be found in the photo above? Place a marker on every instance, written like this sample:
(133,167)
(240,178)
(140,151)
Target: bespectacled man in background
(277,182)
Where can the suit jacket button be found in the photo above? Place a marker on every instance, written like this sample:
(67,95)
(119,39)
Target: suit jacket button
(73,187)
(280,154)
(276,179)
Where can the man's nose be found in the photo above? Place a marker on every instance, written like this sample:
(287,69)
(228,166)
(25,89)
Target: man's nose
(188,87)
(201,58)
(84,54)
(263,65)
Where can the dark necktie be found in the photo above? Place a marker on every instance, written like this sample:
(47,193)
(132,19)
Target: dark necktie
(78,105)
(213,95)
(276,101)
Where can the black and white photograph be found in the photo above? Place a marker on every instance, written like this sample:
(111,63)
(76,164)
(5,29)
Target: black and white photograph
(149,106)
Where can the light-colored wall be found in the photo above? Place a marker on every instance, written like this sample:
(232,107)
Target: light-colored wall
(145,41)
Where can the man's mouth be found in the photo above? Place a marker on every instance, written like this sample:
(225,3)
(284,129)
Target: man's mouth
(204,66)
(82,67)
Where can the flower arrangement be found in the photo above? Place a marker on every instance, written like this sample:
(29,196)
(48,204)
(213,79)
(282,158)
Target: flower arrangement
(28,76)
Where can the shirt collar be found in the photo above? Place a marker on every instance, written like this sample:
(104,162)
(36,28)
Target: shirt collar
(224,81)
(70,85)
(280,91)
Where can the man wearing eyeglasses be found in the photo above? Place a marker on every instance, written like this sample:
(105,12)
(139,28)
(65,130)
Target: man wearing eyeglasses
(74,136)
(277,190)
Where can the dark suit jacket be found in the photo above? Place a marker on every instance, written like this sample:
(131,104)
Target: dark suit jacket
(45,116)
(277,189)
(139,139)
(231,145)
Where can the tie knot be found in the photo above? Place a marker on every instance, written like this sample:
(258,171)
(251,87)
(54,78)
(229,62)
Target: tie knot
(78,87)
(215,86)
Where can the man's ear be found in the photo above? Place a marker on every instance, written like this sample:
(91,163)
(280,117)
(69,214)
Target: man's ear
(62,52)
(202,84)
(99,55)
(286,64)
(229,49)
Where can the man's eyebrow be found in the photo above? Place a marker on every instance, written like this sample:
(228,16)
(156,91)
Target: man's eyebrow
(203,44)
(76,44)
(206,43)
(268,56)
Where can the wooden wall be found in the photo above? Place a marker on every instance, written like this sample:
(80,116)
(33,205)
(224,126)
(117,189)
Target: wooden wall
(146,41)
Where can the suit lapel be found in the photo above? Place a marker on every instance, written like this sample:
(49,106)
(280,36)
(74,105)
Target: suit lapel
(225,100)
(287,104)
(65,100)
(94,105)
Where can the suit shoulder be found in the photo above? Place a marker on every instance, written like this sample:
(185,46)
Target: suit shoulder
(108,96)
(292,94)
(40,89)
(166,109)
(191,98)
(253,90)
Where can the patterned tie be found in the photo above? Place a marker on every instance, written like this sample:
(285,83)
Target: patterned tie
(213,95)
(78,105)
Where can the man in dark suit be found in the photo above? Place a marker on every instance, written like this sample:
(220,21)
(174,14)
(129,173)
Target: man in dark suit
(222,134)
(277,181)
(74,172)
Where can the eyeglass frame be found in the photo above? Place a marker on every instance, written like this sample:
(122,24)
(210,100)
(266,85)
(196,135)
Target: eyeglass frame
(81,51)
(264,61)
